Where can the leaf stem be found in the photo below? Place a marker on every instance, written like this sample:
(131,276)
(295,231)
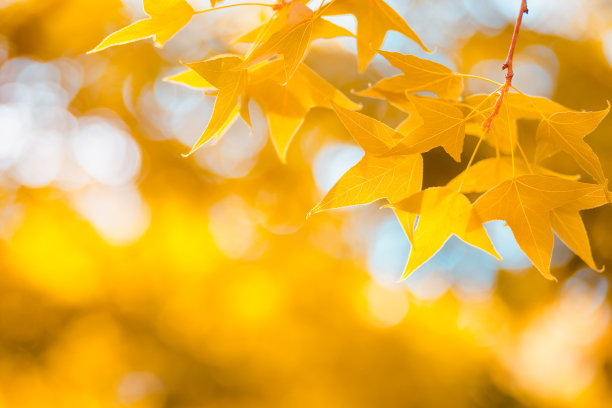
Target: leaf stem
(479,140)
(234,5)
(322,8)
(469,164)
(475,109)
(479,77)
(524,157)
(508,65)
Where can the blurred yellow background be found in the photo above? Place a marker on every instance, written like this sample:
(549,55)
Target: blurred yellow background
(133,277)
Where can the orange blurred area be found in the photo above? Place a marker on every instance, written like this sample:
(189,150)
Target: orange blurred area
(133,277)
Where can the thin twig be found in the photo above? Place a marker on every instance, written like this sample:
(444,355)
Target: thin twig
(235,5)
(479,140)
(507,66)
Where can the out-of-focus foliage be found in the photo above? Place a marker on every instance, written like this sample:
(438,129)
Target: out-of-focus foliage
(130,276)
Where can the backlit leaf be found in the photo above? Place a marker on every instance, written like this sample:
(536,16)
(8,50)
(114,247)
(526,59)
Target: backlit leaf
(373,136)
(190,78)
(565,131)
(286,106)
(420,75)
(374,178)
(486,174)
(442,213)
(292,41)
(223,74)
(526,203)
(374,19)
(503,133)
(274,24)
(167,17)
(443,125)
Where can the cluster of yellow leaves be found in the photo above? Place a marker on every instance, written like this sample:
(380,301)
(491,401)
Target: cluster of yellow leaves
(532,200)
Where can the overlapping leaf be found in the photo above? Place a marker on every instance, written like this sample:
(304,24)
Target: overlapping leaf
(275,23)
(222,73)
(443,125)
(487,173)
(167,17)
(503,132)
(565,131)
(292,40)
(400,101)
(526,203)
(533,200)
(373,178)
(565,220)
(420,75)
(374,19)
(285,106)
(375,137)
(442,213)
(568,225)
(523,106)
(190,78)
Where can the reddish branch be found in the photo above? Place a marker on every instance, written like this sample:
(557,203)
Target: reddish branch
(508,66)
(280,4)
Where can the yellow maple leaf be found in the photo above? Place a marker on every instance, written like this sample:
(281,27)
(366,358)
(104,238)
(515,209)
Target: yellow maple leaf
(420,75)
(222,72)
(167,17)
(373,136)
(400,101)
(286,106)
(566,221)
(443,125)
(568,225)
(565,131)
(374,19)
(292,40)
(486,174)
(373,178)
(190,78)
(407,221)
(526,203)
(503,133)
(442,213)
(524,106)
(275,23)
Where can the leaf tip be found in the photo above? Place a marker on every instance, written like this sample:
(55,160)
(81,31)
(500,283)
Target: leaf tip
(314,211)
(99,47)
(189,153)
(549,276)
(406,274)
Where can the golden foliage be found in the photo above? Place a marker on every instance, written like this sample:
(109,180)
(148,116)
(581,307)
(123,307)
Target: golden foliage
(272,74)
